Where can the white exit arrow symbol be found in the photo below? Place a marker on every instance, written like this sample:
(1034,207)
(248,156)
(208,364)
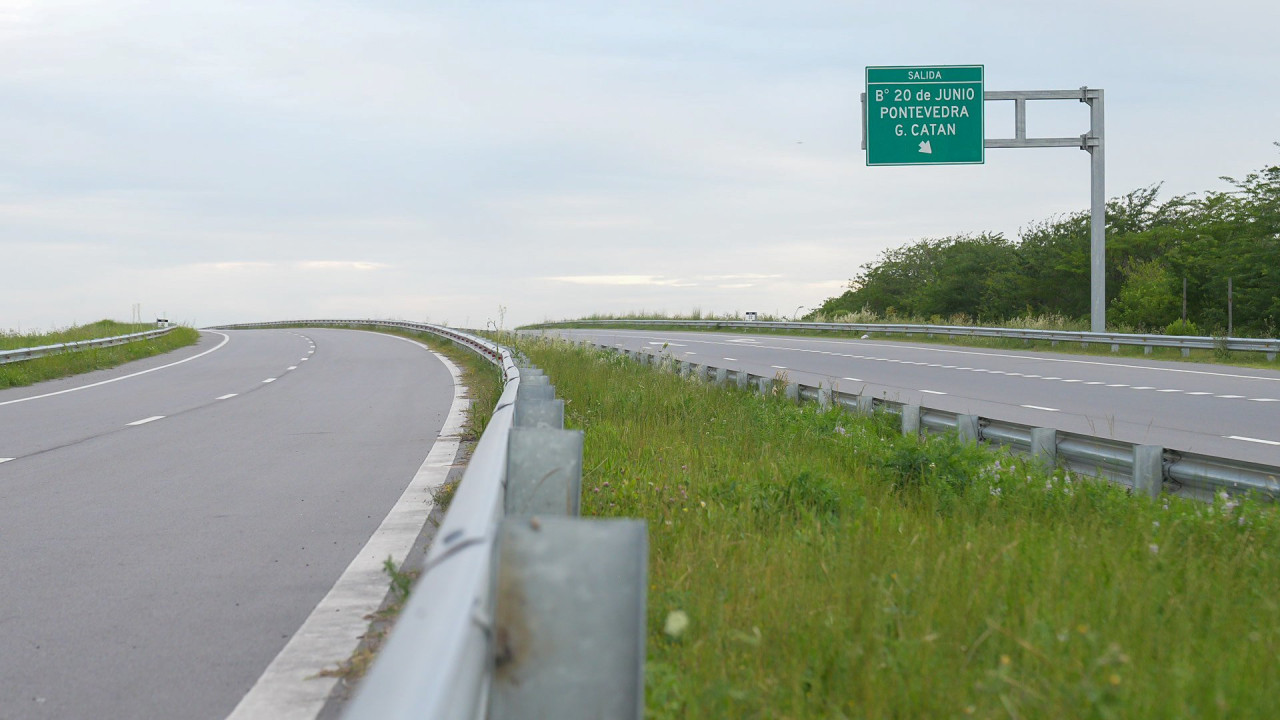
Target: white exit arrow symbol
(926,148)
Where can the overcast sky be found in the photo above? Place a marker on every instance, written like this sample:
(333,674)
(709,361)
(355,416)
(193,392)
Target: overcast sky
(236,161)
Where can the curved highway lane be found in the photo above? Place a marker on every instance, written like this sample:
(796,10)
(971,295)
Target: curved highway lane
(1212,409)
(167,525)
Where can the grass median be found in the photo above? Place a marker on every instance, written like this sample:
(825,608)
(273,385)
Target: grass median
(64,364)
(810,563)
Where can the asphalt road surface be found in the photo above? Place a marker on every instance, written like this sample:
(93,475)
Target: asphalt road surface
(1212,409)
(163,534)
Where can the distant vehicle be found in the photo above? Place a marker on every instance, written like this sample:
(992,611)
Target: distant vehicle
(751,317)
(162,322)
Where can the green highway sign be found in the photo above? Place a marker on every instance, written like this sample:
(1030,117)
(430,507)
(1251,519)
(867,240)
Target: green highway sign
(927,115)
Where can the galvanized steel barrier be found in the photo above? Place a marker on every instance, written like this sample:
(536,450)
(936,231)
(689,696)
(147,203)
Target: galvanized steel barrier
(1147,469)
(522,610)
(1270,346)
(9,356)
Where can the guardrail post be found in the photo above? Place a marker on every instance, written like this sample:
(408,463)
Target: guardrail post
(911,420)
(544,471)
(1271,356)
(722,376)
(684,368)
(824,396)
(1186,352)
(539,414)
(1044,446)
(866,404)
(1148,470)
(743,379)
(569,619)
(764,385)
(1115,347)
(967,429)
(1146,349)
(533,391)
(793,392)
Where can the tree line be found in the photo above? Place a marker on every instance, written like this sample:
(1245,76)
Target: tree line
(1153,245)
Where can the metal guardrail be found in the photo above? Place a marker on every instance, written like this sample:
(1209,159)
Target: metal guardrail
(519,612)
(1147,469)
(20,354)
(1270,346)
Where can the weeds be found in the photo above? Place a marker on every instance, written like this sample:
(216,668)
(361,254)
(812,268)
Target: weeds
(824,566)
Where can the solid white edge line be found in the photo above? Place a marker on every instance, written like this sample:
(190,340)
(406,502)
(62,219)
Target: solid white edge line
(1040,407)
(1252,440)
(290,688)
(228,396)
(225,339)
(933,392)
(144,421)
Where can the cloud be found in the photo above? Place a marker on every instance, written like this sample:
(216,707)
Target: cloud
(341,265)
(619,280)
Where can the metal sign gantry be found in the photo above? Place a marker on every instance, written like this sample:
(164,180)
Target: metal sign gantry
(1092,141)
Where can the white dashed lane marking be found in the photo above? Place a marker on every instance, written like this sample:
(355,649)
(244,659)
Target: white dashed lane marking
(144,421)
(303,359)
(228,396)
(5,460)
(269,380)
(1252,440)
(292,367)
(1004,373)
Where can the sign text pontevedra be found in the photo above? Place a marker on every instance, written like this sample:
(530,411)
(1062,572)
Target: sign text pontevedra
(929,115)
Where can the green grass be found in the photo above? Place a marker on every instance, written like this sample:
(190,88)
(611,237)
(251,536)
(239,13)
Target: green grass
(64,364)
(12,340)
(829,567)
(1215,356)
